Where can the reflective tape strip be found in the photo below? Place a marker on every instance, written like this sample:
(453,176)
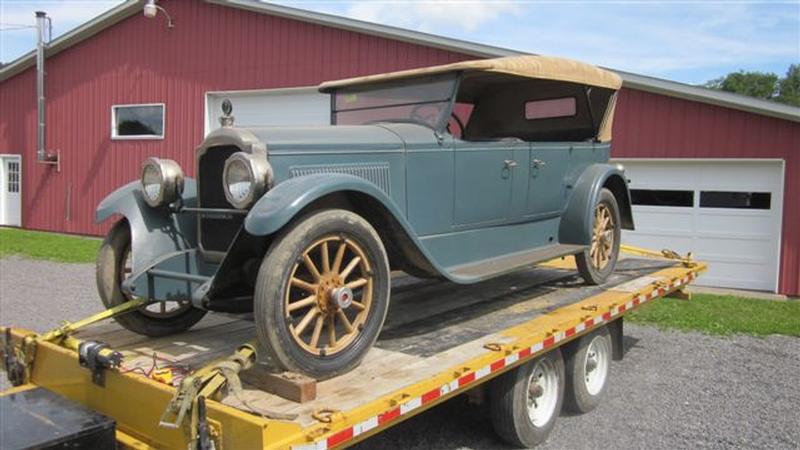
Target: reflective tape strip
(465,379)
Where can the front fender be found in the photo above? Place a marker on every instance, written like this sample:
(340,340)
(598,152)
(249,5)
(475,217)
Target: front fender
(154,232)
(577,220)
(277,207)
(283,202)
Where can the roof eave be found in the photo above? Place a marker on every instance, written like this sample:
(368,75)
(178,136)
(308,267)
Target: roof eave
(72,37)
(710,96)
(374,29)
(630,80)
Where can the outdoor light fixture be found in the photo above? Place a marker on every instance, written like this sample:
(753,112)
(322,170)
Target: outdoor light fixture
(151,11)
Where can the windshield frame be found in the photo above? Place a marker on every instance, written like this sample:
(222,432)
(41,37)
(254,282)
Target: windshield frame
(448,101)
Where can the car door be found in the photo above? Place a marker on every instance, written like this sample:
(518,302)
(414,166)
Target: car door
(547,189)
(484,177)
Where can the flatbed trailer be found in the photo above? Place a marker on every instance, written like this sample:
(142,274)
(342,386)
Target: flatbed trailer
(440,340)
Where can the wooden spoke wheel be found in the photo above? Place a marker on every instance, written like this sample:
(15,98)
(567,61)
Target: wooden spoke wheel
(114,265)
(322,294)
(329,295)
(602,237)
(158,310)
(597,262)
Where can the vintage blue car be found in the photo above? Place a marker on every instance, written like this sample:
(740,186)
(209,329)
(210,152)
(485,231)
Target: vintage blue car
(461,172)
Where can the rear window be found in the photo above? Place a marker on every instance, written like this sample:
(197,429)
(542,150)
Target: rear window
(550,109)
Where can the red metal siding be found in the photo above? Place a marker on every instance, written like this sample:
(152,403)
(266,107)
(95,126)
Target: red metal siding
(217,48)
(654,126)
(142,61)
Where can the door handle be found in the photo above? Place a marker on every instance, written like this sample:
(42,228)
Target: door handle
(538,163)
(510,163)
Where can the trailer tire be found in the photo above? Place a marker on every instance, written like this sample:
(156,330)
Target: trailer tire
(295,309)
(111,260)
(523,414)
(588,366)
(594,264)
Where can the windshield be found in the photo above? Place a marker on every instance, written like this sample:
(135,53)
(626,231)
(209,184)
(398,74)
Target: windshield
(425,102)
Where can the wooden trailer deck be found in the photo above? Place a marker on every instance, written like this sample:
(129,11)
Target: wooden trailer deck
(431,325)
(439,340)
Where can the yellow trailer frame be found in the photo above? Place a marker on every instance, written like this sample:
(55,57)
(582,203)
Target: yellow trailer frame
(136,402)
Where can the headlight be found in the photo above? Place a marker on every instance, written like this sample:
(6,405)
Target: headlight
(162,181)
(245,179)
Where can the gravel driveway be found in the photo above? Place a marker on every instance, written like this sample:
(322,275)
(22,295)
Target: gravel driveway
(672,390)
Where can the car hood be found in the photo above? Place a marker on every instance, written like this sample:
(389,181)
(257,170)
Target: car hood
(368,138)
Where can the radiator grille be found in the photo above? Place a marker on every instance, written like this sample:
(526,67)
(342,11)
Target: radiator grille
(215,232)
(377,173)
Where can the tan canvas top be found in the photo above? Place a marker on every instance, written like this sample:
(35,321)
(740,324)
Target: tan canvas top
(530,66)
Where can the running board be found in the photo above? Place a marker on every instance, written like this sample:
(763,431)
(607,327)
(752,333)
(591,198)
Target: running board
(504,264)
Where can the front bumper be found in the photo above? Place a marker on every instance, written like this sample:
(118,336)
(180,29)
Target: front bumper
(176,275)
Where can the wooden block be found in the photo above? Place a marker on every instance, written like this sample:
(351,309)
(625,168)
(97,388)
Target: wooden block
(289,385)
(680,294)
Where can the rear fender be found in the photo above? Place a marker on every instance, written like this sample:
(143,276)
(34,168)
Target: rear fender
(155,232)
(577,220)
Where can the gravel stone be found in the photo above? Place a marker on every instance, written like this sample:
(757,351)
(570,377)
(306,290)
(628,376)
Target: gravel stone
(672,390)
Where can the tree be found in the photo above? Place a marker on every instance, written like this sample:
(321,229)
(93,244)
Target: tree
(762,85)
(789,86)
(755,84)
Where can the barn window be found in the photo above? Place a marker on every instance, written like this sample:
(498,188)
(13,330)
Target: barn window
(137,121)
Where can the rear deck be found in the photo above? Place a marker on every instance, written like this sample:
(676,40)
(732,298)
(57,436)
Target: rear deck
(439,340)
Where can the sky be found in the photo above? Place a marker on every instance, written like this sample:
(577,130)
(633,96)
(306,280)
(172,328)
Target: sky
(687,41)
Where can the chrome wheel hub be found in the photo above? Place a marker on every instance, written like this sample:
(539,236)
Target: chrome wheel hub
(342,297)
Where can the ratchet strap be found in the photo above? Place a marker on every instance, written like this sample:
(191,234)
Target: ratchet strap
(18,359)
(687,260)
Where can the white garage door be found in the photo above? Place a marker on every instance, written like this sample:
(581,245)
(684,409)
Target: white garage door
(287,107)
(727,213)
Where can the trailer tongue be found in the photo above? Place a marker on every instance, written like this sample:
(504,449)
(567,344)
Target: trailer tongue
(439,340)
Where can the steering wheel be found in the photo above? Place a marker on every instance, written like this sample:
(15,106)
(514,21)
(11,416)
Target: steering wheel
(460,124)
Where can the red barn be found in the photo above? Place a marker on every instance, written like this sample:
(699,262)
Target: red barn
(712,172)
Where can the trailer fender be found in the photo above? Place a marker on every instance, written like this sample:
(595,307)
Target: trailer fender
(154,231)
(577,220)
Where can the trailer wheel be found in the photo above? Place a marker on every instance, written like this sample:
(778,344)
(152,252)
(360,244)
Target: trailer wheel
(587,371)
(597,262)
(155,319)
(322,294)
(525,402)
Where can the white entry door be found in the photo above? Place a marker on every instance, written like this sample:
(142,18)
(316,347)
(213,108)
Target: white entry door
(727,212)
(270,107)
(10,187)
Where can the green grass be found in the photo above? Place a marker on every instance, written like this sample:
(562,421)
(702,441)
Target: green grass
(49,246)
(723,315)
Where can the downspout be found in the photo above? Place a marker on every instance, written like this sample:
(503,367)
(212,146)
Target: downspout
(43,30)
